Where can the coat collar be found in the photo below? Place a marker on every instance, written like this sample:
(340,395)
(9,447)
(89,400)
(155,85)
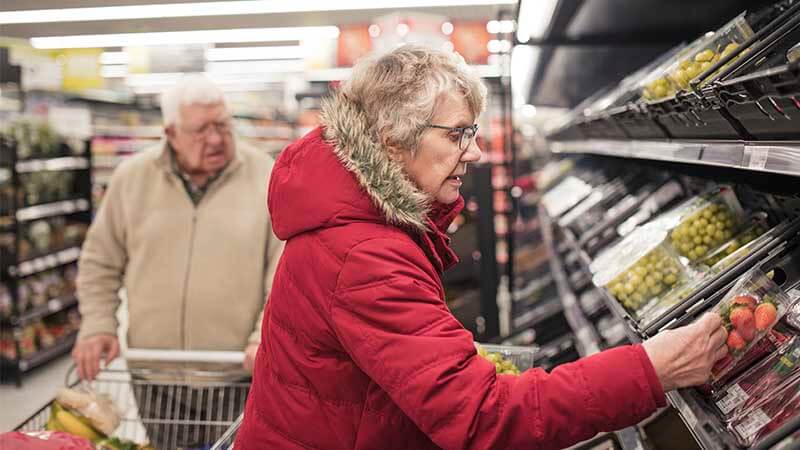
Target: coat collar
(164,162)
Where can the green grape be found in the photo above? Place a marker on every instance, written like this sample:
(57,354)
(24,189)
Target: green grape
(702,222)
(719,235)
(629,288)
(708,213)
(728,234)
(655,290)
(637,298)
(711,228)
(641,271)
(650,281)
(704,56)
(701,250)
(692,255)
(692,231)
(658,276)
(671,279)
(707,240)
(635,279)
(697,240)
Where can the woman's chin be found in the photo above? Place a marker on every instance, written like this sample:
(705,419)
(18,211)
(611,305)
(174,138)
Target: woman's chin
(447,196)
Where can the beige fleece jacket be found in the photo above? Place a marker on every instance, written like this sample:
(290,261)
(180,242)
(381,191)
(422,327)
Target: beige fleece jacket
(196,277)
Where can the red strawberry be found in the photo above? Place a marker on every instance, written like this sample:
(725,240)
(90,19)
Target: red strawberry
(765,315)
(747,331)
(745,300)
(741,317)
(735,341)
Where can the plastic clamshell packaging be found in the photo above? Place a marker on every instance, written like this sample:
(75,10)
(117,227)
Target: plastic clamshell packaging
(642,266)
(738,397)
(698,57)
(748,311)
(521,357)
(703,223)
(769,413)
(565,195)
(737,247)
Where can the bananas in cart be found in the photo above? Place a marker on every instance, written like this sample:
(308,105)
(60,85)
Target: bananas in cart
(88,415)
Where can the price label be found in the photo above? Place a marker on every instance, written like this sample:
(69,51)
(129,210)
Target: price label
(735,397)
(752,424)
(758,157)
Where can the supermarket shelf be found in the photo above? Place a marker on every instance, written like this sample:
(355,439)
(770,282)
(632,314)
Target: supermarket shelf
(46,262)
(709,432)
(144,131)
(761,157)
(64,345)
(52,209)
(584,332)
(51,307)
(65,163)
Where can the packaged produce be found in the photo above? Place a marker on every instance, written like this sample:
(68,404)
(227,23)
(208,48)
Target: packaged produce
(698,57)
(749,311)
(668,193)
(769,413)
(565,195)
(508,359)
(704,223)
(756,228)
(764,377)
(639,268)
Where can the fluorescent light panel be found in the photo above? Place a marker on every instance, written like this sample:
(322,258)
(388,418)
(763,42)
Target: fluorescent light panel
(218,8)
(255,53)
(534,18)
(110,58)
(186,37)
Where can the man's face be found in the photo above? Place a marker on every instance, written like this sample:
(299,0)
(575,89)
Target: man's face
(202,138)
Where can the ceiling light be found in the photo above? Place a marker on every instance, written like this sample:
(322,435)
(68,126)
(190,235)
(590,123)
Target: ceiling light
(448,46)
(222,8)
(534,18)
(113,58)
(374,30)
(447,28)
(186,37)
(255,67)
(402,29)
(114,71)
(255,53)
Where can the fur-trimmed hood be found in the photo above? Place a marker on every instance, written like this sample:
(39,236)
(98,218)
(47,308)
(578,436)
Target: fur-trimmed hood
(336,175)
(347,130)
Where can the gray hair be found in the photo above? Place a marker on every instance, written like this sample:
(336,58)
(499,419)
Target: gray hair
(189,90)
(398,91)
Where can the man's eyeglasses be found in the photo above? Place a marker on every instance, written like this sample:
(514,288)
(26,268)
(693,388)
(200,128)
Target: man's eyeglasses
(465,134)
(223,128)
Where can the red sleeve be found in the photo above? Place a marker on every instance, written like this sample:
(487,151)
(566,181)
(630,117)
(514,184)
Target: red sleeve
(388,316)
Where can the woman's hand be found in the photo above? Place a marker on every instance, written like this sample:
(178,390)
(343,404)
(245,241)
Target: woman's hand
(684,357)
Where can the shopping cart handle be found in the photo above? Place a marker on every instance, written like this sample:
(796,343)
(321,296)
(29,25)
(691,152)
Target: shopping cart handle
(141,354)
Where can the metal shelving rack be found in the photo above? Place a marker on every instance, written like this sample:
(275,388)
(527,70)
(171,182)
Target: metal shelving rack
(12,269)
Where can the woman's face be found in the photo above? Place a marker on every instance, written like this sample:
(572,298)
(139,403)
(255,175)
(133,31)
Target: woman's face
(439,165)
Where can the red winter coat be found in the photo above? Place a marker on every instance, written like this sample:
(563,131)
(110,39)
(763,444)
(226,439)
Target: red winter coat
(359,350)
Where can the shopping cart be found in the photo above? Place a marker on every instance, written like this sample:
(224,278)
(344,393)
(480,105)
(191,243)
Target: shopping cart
(169,407)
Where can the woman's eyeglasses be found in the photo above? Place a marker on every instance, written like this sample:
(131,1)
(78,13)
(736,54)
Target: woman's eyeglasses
(466,134)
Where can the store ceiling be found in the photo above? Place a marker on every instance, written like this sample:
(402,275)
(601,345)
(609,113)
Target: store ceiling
(480,13)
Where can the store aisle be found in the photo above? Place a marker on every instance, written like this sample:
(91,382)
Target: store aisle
(38,388)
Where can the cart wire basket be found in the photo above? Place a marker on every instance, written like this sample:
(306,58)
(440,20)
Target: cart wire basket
(166,401)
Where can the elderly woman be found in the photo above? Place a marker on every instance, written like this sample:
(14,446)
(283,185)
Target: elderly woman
(359,350)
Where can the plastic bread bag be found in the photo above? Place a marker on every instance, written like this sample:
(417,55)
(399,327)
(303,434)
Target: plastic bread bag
(748,311)
(739,395)
(75,407)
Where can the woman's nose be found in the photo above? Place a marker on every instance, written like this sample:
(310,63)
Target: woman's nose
(473,152)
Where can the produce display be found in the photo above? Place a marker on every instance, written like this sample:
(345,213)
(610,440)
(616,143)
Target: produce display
(741,240)
(639,268)
(749,311)
(507,360)
(769,413)
(747,389)
(697,58)
(704,230)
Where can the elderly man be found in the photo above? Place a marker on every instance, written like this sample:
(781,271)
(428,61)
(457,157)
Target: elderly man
(185,230)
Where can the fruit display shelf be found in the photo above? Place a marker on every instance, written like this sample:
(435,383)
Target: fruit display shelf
(759,157)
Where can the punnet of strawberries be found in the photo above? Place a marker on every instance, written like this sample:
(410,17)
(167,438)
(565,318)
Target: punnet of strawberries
(769,413)
(749,311)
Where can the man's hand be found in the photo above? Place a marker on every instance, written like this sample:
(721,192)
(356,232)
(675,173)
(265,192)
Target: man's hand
(683,357)
(88,351)
(250,357)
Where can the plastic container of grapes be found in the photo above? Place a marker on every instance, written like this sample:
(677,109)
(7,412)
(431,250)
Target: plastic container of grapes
(748,311)
(700,56)
(738,246)
(703,223)
(521,357)
(639,268)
